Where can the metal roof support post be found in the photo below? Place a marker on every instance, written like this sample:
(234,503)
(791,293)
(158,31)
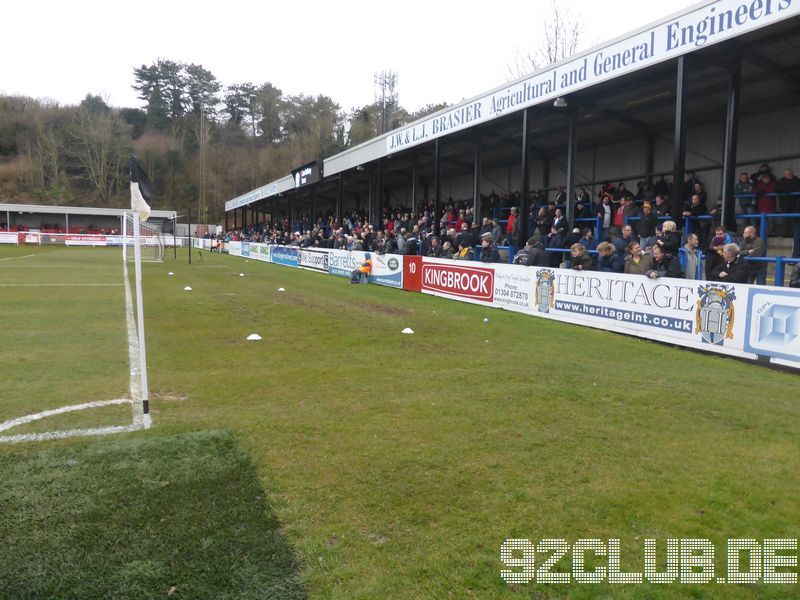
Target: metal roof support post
(476,186)
(226,221)
(376,200)
(650,157)
(437,186)
(545,173)
(729,149)
(679,148)
(414,186)
(524,205)
(273,216)
(313,207)
(290,210)
(339,199)
(244,217)
(572,151)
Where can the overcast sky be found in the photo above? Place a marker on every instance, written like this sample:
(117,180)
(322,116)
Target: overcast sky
(442,50)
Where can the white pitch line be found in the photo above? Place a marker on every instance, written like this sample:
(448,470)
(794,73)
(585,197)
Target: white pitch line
(16,257)
(140,420)
(59,411)
(60,285)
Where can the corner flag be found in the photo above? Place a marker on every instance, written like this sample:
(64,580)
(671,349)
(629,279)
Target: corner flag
(141,191)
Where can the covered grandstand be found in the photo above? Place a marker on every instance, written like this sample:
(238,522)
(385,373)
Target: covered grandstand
(712,90)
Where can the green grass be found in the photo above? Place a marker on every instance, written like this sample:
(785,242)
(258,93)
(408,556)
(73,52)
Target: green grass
(397,465)
(135,517)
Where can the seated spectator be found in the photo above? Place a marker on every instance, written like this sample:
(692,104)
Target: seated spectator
(538,256)
(447,250)
(732,268)
(608,259)
(465,251)
(581,260)
(362,270)
(637,262)
(435,250)
(587,239)
(664,265)
(621,242)
(573,237)
(489,252)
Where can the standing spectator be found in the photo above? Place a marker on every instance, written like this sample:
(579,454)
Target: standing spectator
(646,227)
(662,206)
(497,232)
(787,203)
(582,197)
(664,265)
(608,259)
(754,247)
(637,263)
(692,259)
(560,223)
(732,269)
(621,243)
(561,195)
(512,227)
(542,223)
(696,209)
(744,193)
(606,213)
(765,199)
(762,170)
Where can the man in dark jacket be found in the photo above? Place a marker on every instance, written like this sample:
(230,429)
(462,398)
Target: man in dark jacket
(665,265)
(732,269)
(754,246)
(794,281)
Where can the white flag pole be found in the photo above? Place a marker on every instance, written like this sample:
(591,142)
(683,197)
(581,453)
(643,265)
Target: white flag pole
(137,253)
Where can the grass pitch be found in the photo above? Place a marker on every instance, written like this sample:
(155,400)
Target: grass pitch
(396,465)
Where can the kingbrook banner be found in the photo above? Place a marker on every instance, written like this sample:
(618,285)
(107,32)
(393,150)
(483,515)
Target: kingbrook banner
(734,319)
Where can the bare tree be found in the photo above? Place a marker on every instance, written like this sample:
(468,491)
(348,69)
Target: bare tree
(561,35)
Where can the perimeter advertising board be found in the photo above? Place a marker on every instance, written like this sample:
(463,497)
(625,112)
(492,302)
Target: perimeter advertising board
(9,238)
(284,255)
(314,260)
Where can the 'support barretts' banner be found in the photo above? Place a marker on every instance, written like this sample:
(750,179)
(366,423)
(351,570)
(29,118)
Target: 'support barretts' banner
(316,260)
